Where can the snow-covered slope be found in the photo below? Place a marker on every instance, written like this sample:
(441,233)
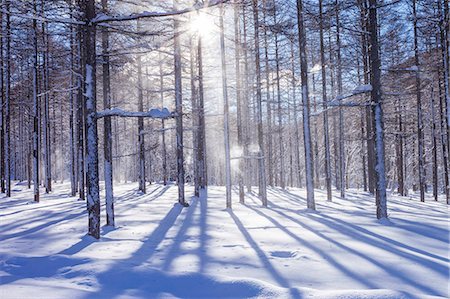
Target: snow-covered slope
(160,250)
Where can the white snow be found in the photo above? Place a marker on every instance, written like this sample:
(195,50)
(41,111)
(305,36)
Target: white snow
(160,250)
(362,89)
(152,113)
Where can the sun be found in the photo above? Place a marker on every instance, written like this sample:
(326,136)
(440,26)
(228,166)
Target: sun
(202,24)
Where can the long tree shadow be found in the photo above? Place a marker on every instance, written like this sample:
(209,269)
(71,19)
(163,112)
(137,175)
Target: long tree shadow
(43,225)
(359,233)
(389,270)
(176,250)
(316,249)
(263,258)
(188,222)
(124,268)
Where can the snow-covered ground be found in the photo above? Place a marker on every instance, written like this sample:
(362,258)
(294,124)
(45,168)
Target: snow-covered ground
(160,250)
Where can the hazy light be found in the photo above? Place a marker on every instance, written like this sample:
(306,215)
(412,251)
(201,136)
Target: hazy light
(201,24)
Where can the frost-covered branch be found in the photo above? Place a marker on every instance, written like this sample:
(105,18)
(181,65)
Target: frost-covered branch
(357,91)
(102,18)
(152,113)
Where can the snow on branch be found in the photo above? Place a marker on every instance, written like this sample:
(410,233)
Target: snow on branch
(102,18)
(358,90)
(152,113)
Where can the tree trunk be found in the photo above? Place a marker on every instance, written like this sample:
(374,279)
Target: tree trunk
(434,144)
(80,115)
(73,159)
(226,121)
(268,103)
(306,109)
(46,120)
(201,141)
(194,103)
(261,158)
(246,112)
(377,111)
(279,108)
(325,108)
(420,134)
(141,137)
(90,104)
(399,149)
(35,110)
(342,181)
(7,103)
(369,119)
(163,124)
(444,103)
(179,111)
(107,145)
(240,131)
(2,113)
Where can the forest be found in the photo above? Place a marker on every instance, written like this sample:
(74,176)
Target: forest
(327,106)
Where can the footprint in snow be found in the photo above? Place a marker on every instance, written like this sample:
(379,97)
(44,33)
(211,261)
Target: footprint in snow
(289,255)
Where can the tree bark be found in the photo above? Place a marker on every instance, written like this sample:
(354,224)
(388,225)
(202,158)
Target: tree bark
(306,109)
(7,103)
(325,107)
(107,145)
(179,111)
(279,106)
(226,121)
(420,133)
(240,131)
(141,137)
(90,104)
(377,111)
(261,158)
(342,170)
(2,111)
(35,109)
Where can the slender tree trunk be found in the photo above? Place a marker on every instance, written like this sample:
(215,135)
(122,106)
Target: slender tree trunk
(342,170)
(296,124)
(246,111)
(194,103)
(93,196)
(279,108)
(377,110)
(363,136)
(73,159)
(107,145)
(316,135)
(434,144)
(240,135)
(261,158)
(2,112)
(446,24)
(163,123)
(306,109)
(141,137)
(325,108)
(8,100)
(369,119)
(46,125)
(179,111)
(268,102)
(399,149)
(226,121)
(444,103)
(35,109)
(201,141)
(420,134)
(80,115)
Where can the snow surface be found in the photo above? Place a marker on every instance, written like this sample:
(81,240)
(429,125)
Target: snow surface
(161,250)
